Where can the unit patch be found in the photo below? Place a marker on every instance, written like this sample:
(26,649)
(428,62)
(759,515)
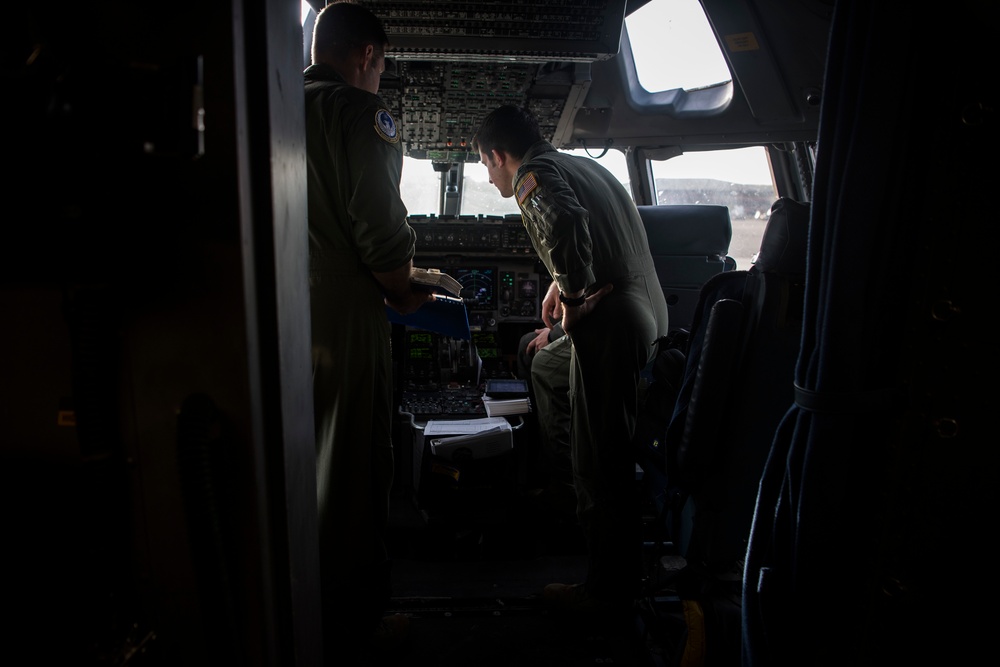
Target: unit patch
(528,186)
(386,126)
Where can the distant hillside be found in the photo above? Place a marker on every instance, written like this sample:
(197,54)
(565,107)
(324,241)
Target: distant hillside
(743,200)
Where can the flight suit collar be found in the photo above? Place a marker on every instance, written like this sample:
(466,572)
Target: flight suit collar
(535,150)
(321,72)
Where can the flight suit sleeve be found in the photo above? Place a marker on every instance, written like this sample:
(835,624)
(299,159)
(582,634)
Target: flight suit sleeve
(381,234)
(561,224)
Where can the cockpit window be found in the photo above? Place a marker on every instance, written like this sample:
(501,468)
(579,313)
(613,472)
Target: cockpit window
(420,185)
(674,47)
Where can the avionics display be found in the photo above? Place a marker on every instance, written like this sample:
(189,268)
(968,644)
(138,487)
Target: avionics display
(487,345)
(419,345)
(479,286)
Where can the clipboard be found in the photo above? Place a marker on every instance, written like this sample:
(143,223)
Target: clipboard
(445,315)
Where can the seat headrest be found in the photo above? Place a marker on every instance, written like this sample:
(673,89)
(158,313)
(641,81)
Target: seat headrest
(687,229)
(783,246)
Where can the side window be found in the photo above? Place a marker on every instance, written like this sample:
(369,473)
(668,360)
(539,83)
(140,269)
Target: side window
(739,178)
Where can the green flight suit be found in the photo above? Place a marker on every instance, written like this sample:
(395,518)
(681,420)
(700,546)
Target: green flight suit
(547,373)
(586,230)
(357,224)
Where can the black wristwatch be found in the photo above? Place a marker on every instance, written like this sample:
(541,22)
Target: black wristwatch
(572,301)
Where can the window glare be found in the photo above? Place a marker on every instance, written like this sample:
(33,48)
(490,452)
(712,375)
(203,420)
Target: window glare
(419,187)
(674,46)
(480,197)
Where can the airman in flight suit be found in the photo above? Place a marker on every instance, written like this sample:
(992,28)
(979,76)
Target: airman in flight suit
(360,257)
(587,231)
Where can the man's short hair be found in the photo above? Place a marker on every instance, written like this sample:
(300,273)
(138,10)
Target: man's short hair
(510,129)
(345,25)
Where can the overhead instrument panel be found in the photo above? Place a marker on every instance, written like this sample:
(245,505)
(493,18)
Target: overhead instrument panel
(558,30)
(454,62)
(442,104)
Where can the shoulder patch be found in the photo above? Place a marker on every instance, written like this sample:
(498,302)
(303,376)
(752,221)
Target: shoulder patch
(527,186)
(386,126)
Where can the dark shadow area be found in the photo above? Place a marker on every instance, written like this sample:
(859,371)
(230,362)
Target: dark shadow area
(471,582)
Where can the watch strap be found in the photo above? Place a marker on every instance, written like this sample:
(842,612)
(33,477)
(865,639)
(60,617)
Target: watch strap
(572,301)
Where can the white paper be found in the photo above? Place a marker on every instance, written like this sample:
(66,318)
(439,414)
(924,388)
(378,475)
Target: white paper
(506,406)
(436,427)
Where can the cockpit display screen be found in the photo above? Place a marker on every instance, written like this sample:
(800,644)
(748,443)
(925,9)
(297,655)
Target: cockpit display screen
(419,345)
(479,286)
(487,345)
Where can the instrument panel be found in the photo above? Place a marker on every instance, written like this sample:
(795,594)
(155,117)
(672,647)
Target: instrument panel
(502,284)
(493,259)
(472,235)
(454,62)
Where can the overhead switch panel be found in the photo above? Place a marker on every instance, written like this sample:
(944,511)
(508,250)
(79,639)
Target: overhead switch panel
(522,30)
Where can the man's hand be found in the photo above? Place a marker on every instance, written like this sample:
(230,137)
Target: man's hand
(573,314)
(538,342)
(409,302)
(551,307)
(399,292)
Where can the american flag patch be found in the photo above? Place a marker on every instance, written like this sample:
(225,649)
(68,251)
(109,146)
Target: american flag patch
(527,186)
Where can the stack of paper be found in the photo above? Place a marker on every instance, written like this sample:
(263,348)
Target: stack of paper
(496,407)
(434,279)
(442,427)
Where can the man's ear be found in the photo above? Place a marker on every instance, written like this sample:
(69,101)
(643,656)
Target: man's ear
(368,56)
(498,157)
